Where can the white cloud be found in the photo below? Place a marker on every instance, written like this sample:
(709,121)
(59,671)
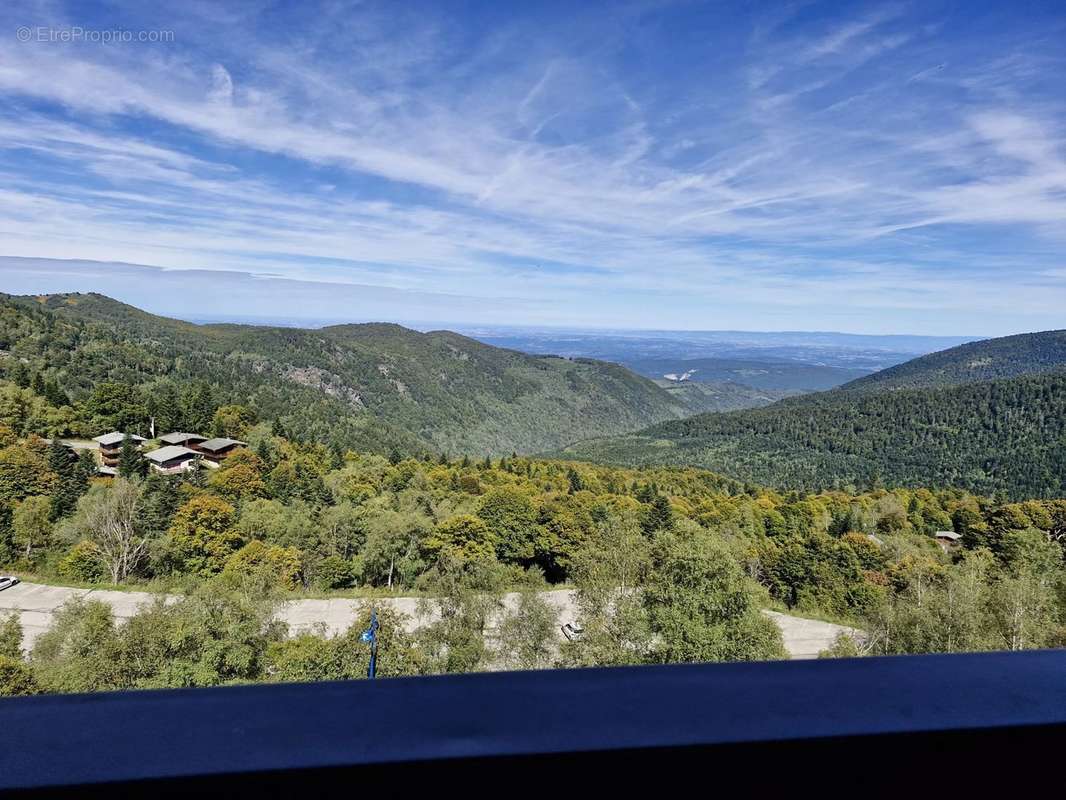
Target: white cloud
(221,92)
(457,162)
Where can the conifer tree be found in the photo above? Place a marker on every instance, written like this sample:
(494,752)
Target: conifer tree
(55,395)
(130,463)
(71,484)
(576,484)
(21,375)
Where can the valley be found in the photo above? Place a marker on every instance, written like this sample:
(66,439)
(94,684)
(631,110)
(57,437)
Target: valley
(362,456)
(987,416)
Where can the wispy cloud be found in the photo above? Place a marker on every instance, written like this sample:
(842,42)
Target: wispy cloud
(564,161)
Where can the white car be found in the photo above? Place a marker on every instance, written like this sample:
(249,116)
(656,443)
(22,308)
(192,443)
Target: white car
(7,581)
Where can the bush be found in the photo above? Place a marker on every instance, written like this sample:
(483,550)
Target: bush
(82,563)
(16,678)
(844,646)
(282,564)
(334,572)
(11,636)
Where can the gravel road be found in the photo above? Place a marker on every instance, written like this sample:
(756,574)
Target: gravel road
(36,603)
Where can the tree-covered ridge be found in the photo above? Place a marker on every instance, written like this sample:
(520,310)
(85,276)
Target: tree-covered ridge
(986,360)
(999,436)
(669,564)
(721,395)
(369,386)
(787,377)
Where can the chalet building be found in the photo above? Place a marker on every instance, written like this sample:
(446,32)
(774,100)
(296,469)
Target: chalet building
(181,439)
(171,459)
(948,540)
(111,446)
(214,450)
(107,472)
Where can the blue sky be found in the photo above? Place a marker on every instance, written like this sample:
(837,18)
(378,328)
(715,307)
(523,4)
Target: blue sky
(881,168)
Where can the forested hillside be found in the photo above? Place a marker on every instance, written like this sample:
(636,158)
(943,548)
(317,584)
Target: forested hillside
(999,436)
(989,359)
(668,564)
(790,377)
(374,386)
(720,395)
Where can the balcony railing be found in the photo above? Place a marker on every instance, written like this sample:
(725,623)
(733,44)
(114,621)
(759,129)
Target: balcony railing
(907,726)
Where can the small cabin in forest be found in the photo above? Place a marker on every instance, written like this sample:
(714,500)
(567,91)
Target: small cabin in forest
(182,439)
(111,446)
(215,450)
(172,458)
(948,540)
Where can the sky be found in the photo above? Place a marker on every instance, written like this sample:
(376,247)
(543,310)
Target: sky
(860,167)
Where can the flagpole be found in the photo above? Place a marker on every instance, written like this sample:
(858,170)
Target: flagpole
(370,635)
(373,658)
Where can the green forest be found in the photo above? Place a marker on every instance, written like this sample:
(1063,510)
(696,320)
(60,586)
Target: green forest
(985,360)
(372,387)
(826,506)
(1004,436)
(669,564)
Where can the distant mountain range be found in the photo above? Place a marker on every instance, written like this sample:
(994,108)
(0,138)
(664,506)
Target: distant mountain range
(990,359)
(987,416)
(370,385)
(860,352)
(786,377)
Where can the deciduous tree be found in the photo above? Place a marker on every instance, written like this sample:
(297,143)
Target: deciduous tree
(203,534)
(111,518)
(702,608)
(32,525)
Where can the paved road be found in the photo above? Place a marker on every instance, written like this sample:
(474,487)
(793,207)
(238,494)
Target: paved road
(36,603)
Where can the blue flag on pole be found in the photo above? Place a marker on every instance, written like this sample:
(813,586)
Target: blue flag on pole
(370,635)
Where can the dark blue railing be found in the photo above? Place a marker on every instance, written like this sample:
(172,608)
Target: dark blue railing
(890,723)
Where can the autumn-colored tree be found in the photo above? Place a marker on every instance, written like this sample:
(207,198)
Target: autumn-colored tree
(232,421)
(281,565)
(240,477)
(23,472)
(203,535)
(464,537)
